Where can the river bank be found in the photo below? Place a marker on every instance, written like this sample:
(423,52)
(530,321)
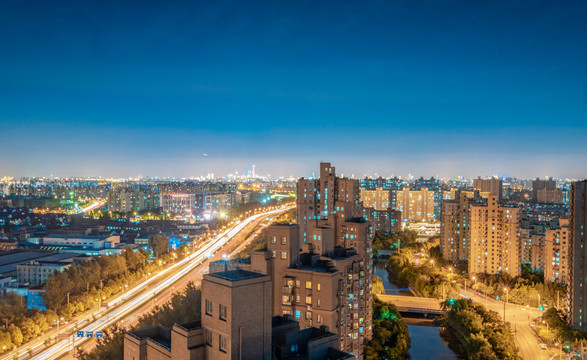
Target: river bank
(426,339)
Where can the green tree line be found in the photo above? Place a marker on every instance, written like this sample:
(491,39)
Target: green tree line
(481,333)
(391,339)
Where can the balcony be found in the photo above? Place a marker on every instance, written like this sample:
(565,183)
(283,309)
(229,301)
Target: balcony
(286,290)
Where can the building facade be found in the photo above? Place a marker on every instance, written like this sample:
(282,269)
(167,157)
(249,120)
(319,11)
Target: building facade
(546,192)
(323,263)
(416,205)
(482,232)
(493,186)
(377,199)
(236,324)
(180,203)
(556,253)
(577,294)
(126,199)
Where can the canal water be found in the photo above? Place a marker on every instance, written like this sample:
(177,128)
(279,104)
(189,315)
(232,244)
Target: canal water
(426,340)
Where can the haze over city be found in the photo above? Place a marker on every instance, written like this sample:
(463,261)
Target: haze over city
(293,180)
(442,88)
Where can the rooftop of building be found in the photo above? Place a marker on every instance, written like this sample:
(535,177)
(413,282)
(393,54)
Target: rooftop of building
(68,236)
(158,334)
(236,275)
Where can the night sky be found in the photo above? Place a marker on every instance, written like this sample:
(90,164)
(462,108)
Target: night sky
(447,88)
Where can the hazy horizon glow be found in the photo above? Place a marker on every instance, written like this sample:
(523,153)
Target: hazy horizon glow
(447,88)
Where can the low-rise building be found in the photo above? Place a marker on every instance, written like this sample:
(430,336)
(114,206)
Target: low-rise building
(237,323)
(36,272)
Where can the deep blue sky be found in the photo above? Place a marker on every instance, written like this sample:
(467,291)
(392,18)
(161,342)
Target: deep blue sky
(389,87)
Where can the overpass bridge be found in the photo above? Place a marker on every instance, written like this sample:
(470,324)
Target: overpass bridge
(413,304)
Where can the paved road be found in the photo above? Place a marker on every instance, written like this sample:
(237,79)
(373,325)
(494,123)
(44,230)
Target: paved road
(146,293)
(520,319)
(236,245)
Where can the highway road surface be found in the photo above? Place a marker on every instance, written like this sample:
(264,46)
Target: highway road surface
(134,298)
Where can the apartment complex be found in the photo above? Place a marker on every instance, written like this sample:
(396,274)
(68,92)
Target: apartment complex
(433,185)
(126,199)
(493,186)
(322,265)
(237,323)
(454,226)
(546,192)
(377,199)
(416,205)
(481,231)
(556,253)
(578,251)
(493,232)
(384,221)
(179,203)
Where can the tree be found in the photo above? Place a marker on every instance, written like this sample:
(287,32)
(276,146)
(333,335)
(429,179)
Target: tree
(159,243)
(5,341)
(29,329)
(378,287)
(15,334)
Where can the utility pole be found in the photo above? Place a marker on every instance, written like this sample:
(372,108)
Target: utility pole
(557,299)
(67,299)
(100,296)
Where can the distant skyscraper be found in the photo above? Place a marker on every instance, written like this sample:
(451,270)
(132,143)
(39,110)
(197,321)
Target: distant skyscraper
(493,186)
(578,262)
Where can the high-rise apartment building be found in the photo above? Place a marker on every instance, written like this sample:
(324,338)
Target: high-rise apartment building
(577,259)
(433,185)
(416,205)
(321,267)
(494,241)
(377,199)
(385,184)
(179,203)
(556,253)
(126,199)
(236,324)
(546,192)
(493,186)
(537,253)
(481,231)
(384,221)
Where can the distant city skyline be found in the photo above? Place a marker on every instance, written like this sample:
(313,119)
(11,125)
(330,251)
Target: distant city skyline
(442,88)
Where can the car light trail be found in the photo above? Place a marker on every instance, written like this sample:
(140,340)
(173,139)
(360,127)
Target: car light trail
(120,306)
